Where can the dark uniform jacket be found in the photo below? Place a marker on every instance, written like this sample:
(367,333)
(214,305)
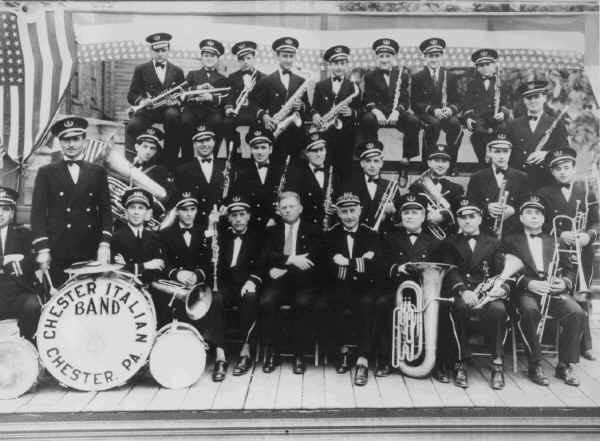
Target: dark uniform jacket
(358,186)
(12,283)
(270,94)
(145,82)
(324,98)
(137,251)
(483,190)
(479,103)
(236,82)
(70,219)
(451,191)
(380,96)
(248,260)
(163,177)
(179,256)
(199,77)
(427,96)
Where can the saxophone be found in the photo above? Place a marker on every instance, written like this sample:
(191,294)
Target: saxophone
(331,117)
(285,116)
(327,200)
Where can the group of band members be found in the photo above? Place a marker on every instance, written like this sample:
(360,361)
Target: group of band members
(331,242)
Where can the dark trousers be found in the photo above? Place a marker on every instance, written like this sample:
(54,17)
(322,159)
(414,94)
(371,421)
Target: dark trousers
(290,142)
(247,305)
(245,118)
(340,149)
(453,329)
(191,118)
(433,126)
(407,123)
(23,306)
(384,317)
(566,310)
(299,291)
(170,117)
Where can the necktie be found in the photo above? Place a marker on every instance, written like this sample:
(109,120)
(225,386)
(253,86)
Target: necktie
(532,117)
(159,65)
(71,162)
(471,236)
(500,171)
(289,239)
(285,72)
(413,234)
(373,179)
(435,181)
(247,71)
(534,235)
(487,77)
(565,185)
(206,161)
(241,235)
(351,234)
(319,169)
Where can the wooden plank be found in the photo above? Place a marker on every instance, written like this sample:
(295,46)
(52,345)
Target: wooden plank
(108,400)
(393,391)
(479,391)
(233,391)
(289,390)
(73,401)
(531,394)
(49,394)
(201,395)
(592,368)
(140,396)
(367,395)
(338,389)
(313,388)
(263,388)
(168,399)
(571,396)
(589,386)
(11,406)
(451,395)
(511,393)
(422,392)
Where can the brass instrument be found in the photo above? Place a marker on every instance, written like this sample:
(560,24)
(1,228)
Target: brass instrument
(544,139)
(553,273)
(116,189)
(445,90)
(282,180)
(227,172)
(415,319)
(193,94)
(388,197)
(436,201)
(197,298)
(327,200)
(502,200)
(285,116)
(512,265)
(242,99)
(214,259)
(497,91)
(331,117)
(165,98)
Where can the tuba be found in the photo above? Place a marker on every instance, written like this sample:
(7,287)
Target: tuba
(415,319)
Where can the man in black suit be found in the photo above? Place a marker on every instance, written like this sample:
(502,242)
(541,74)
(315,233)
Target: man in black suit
(443,194)
(149,80)
(571,198)
(405,242)
(257,178)
(207,108)
(477,257)
(314,183)
(71,217)
(352,254)
(274,91)
(536,250)
(203,175)
(527,131)
(435,99)
(383,86)
(486,102)
(329,93)
(18,297)
(241,81)
(485,185)
(291,257)
(9,169)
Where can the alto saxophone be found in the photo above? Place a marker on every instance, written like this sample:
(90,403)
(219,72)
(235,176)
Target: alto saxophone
(331,117)
(327,200)
(285,116)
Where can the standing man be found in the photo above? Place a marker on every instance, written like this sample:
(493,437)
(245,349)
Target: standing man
(71,217)
(387,102)
(528,131)
(149,80)
(486,102)
(435,99)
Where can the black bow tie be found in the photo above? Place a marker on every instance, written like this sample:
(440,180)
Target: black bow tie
(186,230)
(161,65)
(373,179)
(263,165)
(209,69)
(488,77)
(337,79)
(319,169)
(240,235)
(500,171)
(351,234)
(532,117)
(285,71)
(247,71)
(206,161)
(435,181)
(471,236)
(413,234)
(70,162)
(534,235)
(564,185)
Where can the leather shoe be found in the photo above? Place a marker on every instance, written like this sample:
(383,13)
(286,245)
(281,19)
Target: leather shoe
(242,366)
(219,371)
(536,374)
(460,375)
(299,366)
(270,361)
(565,372)
(344,363)
(497,381)
(588,355)
(383,370)
(440,373)
(361,375)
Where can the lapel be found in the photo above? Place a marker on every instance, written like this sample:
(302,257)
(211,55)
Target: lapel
(394,77)
(489,179)
(480,247)
(526,256)
(153,70)
(543,124)
(255,177)
(381,186)
(169,72)
(419,244)
(548,250)
(179,240)
(10,245)
(201,172)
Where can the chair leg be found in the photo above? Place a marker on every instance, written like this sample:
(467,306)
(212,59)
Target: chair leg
(513,338)
(316,353)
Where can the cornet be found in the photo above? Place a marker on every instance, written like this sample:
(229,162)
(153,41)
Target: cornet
(206,88)
(436,202)
(163,99)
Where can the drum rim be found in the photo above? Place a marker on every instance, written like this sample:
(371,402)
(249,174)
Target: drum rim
(34,378)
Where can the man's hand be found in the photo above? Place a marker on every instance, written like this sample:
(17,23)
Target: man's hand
(369,255)
(276,273)
(345,111)
(248,288)
(271,222)
(446,112)
(568,237)
(145,102)
(341,260)
(536,157)
(389,208)
(497,291)
(317,120)
(558,285)
(405,269)
(471,124)
(469,297)
(186,277)
(269,123)
(204,97)
(435,216)
(297,105)
(154,264)
(393,118)
(300,261)
(230,112)
(43,259)
(438,113)
(381,120)
(120,259)
(103,255)
(539,287)
(499,116)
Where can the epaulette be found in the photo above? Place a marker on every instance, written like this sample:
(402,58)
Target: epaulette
(333,226)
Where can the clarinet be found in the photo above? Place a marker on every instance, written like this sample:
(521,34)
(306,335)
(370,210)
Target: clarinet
(227,172)
(445,91)
(214,260)
(327,200)
(497,91)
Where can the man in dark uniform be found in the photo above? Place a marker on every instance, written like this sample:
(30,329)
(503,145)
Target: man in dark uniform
(188,260)
(314,183)
(149,80)
(486,102)
(370,187)
(329,93)
(403,243)
(207,108)
(443,194)
(71,217)
(536,249)
(435,99)
(274,91)
(257,179)
(385,87)
(240,277)
(291,257)
(485,186)
(18,297)
(352,252)
(477,257)
(241,81)
(527,131)
(203,175)
(9,169)
(568,197)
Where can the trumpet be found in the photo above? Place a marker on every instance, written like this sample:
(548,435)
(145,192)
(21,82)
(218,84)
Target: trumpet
(286,115)
(331,118)
(436,201)
(327,203)
(242,100)
(206,88)
(502,200)
(388,197)
(165,98)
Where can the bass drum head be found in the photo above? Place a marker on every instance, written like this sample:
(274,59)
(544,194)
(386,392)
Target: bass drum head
(178,357)
(19,367)
(9,328)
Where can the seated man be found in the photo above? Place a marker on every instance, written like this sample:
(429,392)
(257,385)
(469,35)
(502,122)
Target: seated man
(18,298)
(291,256)
(537,281)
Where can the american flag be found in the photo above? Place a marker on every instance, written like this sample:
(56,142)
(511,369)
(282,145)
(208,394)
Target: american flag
(37,58)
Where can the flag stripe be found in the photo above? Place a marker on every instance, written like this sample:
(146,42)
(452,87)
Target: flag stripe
(21,122)
(57,63)
(47,66)
(65,45)
(6,115)
(13,145)
(33,73)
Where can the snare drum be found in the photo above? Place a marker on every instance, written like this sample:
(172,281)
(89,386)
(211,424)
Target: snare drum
(20,366)
(178,356)
(97,331)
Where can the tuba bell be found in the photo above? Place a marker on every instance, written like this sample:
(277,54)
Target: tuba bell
(415,319)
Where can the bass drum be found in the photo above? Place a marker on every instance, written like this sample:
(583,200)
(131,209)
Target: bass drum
(97,331)
(178,356)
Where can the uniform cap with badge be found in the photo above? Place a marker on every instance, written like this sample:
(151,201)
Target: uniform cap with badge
(556,157)
(186,200)
(347,199)
(153,135)
(337,53)
(8,197)
(532,87)
(532,201)
(257,134)
(412,201)
(466,206)
(370,149)
(440,152)
(481,56)
(212,46)
(315,141)
(137,195)
(69,127)
(159,39)
(500,142)
(432,45)
(286,44)
(243,48)
(202,132)
(385,45)
(237,203)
